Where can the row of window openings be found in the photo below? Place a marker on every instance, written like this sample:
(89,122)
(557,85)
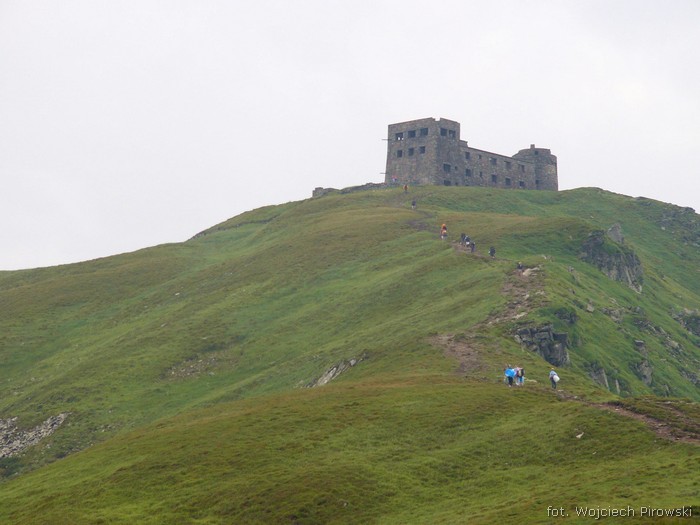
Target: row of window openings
(423,132)
(421,150)
(494,178)
(411,151)
(494,161)
(521,184)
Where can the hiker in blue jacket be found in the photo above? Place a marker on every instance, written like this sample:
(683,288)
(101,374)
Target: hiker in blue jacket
(510,374)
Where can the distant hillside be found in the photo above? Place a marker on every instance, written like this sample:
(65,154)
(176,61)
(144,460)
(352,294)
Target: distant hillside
(333,361)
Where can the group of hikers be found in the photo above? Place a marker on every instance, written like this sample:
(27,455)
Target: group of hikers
(467,242)
(516,374)
(512,375)
(464,240)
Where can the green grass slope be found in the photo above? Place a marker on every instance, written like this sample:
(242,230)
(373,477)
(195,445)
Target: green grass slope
(183,368)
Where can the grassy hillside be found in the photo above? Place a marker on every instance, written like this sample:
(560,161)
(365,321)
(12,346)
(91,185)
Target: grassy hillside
(183,368)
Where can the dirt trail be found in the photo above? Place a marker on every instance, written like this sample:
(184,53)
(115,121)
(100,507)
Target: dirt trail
(524,291)
(681,431)
(663,429)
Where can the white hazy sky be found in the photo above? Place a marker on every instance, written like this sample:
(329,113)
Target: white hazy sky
(127,124)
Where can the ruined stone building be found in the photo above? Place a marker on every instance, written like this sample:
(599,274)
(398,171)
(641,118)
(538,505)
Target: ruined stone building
(430,151)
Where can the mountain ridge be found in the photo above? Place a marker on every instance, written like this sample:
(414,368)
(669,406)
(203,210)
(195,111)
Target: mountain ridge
(262,305)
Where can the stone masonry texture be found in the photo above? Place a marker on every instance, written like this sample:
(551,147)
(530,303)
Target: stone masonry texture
(430,151)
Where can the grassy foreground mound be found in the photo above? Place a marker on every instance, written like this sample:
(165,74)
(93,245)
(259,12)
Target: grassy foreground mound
(184,370)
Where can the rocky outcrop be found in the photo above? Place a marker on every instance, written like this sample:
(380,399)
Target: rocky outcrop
(615,233)
(552,346)
(14,441)
(690,320)
(334,371)
(598,374)
(682,223)
(614,259)
(644,371)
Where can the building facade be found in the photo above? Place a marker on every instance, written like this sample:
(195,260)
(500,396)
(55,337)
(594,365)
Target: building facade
(430,151)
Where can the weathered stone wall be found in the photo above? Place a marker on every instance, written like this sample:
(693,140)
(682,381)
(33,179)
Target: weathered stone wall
(484,168)
(545,163)
(430,151)
(320,192)
(417,150)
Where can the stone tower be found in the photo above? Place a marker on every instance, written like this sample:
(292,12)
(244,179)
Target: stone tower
(545,166)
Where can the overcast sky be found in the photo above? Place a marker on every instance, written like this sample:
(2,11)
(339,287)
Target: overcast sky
(131,123)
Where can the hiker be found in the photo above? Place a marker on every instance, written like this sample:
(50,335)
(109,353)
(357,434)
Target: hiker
(443,232)
(520,267)
(510,374)
(492,252)
(413,204)
(463,239)
(554,378)
(405,188)
(473,246)
(520,376)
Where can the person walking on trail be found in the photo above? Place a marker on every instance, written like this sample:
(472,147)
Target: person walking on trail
(554,378)
(510,374)
(443,232)
(413,204)
(405,188)
(520,376)
(492,252)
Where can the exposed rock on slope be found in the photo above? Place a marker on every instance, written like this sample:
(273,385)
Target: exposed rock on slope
(14,442)
(547,343)
(334,371)
(614,259)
